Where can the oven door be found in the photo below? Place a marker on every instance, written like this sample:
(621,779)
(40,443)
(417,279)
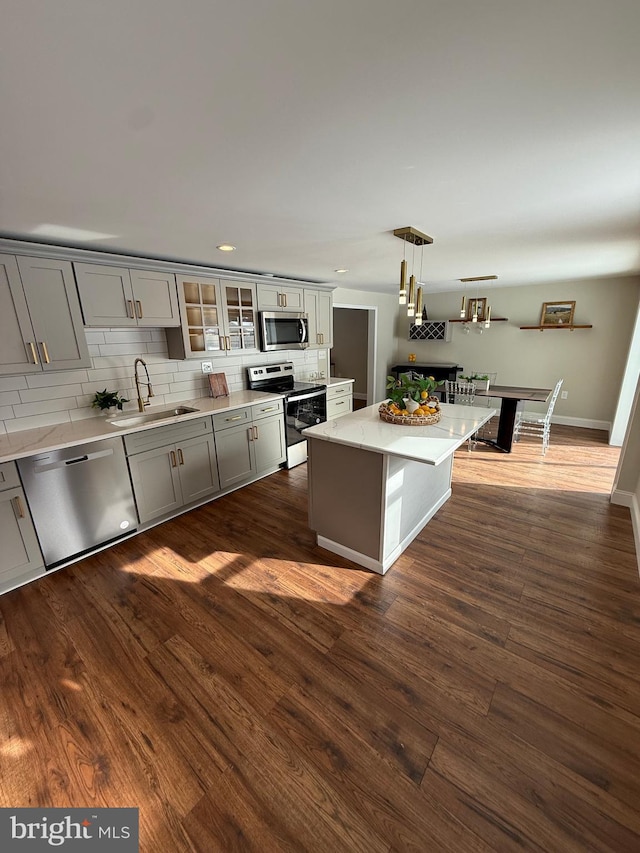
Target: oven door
(280,331)
(302,411)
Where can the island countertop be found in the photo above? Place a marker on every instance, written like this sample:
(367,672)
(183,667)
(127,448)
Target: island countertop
(429,444)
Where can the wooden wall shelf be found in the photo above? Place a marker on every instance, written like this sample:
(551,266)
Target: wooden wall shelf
(493,320)
(561,326)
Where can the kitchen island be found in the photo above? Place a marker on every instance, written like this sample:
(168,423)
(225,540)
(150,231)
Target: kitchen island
(373,485)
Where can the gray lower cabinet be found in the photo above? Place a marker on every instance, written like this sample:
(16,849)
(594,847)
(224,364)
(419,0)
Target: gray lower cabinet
(20,556)
(41,320)
(177,468)
(249,442)
(339,400)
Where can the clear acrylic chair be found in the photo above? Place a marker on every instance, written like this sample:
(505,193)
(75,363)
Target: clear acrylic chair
(487,430)
(462,393)
(533,423)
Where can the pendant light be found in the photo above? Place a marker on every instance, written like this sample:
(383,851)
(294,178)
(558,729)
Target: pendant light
(419,307)
(408,298)
(411,302)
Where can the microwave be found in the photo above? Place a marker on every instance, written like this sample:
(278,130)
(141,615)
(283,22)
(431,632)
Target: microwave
(283,330)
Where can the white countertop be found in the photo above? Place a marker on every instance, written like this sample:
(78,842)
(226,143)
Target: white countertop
(430,444)
(337,380)
(16,445)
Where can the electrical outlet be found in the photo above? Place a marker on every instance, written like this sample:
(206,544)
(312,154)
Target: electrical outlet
(207,367)
(564,395)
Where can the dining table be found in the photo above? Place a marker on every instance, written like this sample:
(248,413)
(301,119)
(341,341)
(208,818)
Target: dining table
(512,397)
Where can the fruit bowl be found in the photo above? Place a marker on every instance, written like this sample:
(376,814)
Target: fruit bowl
(415,419)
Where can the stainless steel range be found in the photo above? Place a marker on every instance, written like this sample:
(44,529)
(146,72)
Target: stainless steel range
(305,403)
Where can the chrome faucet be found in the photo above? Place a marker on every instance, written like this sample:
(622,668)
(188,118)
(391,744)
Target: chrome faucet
(142,403)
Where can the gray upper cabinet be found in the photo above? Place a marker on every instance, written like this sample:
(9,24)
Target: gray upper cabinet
(119,296)
(318,304)
(41,319)
(276,297)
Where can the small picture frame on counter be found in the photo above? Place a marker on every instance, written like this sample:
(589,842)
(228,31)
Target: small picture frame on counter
(218,385)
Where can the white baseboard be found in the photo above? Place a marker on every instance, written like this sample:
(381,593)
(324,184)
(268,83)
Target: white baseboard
(630,500)
(585,423)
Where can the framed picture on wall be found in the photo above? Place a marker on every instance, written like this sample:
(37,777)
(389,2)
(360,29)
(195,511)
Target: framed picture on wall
(557,313)
(480,304)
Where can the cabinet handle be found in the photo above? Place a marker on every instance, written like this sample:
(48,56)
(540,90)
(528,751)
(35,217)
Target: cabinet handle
(269,409)
(139,309)
(280,302)
(228,340)
(34,354)
(339,403)
(18,505)
(250,431)
(45,351)
(284,296)
(130,313)
(321,337)
(255,433)
(234,418)
(173,458)
(180,456)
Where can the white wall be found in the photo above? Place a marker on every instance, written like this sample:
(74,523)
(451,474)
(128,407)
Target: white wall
(591,361)
(626,487)
(40,400)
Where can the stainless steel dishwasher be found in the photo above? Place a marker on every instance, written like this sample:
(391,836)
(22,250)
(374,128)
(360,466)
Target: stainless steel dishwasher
(79,497)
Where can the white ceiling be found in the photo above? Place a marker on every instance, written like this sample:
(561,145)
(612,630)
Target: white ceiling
(304,132)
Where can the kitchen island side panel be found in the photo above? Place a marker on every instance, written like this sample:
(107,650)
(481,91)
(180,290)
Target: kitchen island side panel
(414,493)
(346,495)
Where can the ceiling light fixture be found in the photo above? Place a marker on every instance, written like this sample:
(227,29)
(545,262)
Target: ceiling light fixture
(412,299)
(226,247)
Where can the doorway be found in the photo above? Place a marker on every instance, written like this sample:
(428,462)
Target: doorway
(354,349)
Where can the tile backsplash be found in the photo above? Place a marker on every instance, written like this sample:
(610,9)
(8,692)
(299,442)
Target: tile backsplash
(43,399)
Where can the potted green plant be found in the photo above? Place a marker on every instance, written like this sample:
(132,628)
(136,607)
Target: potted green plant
(480,380)
(409,393)
(105,400)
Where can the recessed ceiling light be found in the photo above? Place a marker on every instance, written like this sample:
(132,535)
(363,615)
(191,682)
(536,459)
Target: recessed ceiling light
(226,247)
(341,270)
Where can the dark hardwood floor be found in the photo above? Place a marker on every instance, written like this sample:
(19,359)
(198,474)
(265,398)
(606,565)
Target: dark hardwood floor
(251,692)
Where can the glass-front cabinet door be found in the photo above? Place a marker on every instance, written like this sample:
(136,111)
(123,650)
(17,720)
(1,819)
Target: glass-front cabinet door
(218,318)
(241,316)
(203,317)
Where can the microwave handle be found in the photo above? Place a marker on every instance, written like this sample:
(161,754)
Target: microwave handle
(303,331)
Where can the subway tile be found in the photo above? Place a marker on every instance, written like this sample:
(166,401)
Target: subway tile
(6,413)
(8,398)
(61,377)
(131,349)
(94,336)
(128,336)
(12,383)
(26,410)
(157,347)
(34,395)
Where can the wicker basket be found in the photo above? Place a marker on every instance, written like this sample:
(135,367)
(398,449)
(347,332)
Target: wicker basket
(408,420)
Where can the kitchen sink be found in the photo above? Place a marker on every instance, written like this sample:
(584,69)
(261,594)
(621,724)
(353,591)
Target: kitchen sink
(150,417)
